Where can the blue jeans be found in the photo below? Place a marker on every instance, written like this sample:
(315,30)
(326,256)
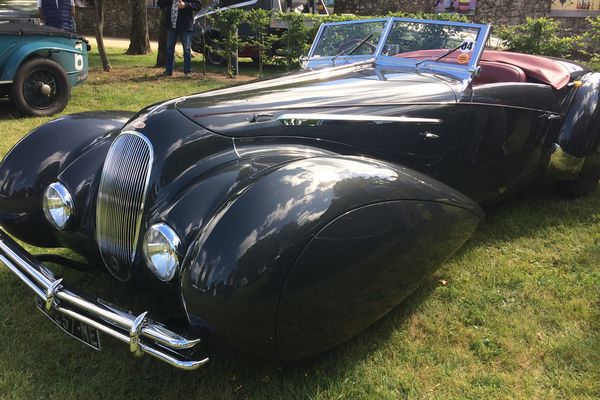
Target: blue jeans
(186,42)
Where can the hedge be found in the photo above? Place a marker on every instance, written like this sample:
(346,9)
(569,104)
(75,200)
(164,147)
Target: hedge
(542,36)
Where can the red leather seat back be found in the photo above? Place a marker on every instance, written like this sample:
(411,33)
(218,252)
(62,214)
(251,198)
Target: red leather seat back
(536,68)
(495,72)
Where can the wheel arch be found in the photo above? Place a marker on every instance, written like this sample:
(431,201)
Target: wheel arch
(32,50)
(580,132)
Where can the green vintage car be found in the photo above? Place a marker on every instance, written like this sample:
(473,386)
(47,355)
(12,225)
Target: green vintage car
(39,65)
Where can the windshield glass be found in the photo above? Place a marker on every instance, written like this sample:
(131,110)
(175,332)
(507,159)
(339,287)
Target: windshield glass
(341,39)
(423,43)
(411,40)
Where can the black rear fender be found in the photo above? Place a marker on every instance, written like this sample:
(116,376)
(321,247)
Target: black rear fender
(580,132)
(360,266)
(234,273)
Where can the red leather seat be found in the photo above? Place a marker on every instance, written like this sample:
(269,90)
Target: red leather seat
(495,72)
(536,68)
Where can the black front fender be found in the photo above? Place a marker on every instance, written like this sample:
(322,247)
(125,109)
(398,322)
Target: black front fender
(234,274)
(38,159)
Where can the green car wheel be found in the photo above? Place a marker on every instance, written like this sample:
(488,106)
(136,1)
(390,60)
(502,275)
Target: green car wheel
(40,88)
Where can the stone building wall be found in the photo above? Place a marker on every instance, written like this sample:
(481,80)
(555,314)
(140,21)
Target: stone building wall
(502,11)
(117,20)
(493,11)
(510,11)
(375,7)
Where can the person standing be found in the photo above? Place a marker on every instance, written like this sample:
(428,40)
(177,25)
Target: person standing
(180,20)
(58,13)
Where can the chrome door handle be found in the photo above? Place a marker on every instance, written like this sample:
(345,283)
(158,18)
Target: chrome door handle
(261,117)
(550,116)
(429,135)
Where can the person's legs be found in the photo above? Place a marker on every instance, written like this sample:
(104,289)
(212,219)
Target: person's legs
(186,42)
(171,40)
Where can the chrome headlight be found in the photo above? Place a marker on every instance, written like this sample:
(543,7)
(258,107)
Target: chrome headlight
(58,205)
(161,246)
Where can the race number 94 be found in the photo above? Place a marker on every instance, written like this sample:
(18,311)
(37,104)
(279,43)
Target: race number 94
(79,57)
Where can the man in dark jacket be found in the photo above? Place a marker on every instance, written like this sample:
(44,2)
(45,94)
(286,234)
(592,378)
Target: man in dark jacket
(58,13)
(180,20)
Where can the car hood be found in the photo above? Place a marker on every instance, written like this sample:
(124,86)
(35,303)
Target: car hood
(252,109)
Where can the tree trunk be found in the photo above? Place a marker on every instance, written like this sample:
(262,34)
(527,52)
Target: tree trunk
(161,57)
(100,35)
(139,42)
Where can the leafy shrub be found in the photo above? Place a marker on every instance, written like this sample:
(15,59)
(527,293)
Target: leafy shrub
(296,40)
(227,22)
(592,43)
(259,21)
(542,36)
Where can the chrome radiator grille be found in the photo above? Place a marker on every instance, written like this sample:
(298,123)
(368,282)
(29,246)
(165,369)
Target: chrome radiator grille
(120,202)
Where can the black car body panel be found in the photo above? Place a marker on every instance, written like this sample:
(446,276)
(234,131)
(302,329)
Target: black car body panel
(40,157)
(580,133)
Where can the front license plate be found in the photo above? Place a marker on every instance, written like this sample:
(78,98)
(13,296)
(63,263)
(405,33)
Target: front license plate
(79,330)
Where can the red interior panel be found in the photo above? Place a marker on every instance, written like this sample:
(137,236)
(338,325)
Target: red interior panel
(495,72)
(536,68)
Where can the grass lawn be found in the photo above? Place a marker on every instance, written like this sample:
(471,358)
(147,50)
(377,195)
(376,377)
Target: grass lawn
(515,314)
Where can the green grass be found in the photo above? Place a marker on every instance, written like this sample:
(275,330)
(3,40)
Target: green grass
(515,314)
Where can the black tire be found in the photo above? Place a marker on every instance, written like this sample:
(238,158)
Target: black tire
(579,187)
(26,90)
(212,57)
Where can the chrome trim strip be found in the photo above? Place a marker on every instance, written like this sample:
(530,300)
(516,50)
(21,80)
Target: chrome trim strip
(318,119)
(384,36)
(235,148)
(1,82)
(142,334)
(217,10)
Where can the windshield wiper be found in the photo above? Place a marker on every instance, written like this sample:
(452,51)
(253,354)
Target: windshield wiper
(349,53)
(446,54)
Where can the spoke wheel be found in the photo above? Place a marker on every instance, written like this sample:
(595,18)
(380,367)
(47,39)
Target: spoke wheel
(40,88)
(212,52)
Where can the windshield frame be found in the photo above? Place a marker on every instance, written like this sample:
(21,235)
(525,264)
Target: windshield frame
(379,58)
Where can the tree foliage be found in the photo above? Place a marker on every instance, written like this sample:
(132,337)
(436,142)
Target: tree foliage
(543,36)
(259,21)
(592,42)
(227,22)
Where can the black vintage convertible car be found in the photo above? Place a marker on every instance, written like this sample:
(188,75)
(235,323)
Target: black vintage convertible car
(287,215)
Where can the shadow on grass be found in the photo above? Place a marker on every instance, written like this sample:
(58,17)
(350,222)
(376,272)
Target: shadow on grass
(61,363)
(539,207)
(62,366)
(8,111)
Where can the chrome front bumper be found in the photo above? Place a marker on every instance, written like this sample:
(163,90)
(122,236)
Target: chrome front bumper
(143,335)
